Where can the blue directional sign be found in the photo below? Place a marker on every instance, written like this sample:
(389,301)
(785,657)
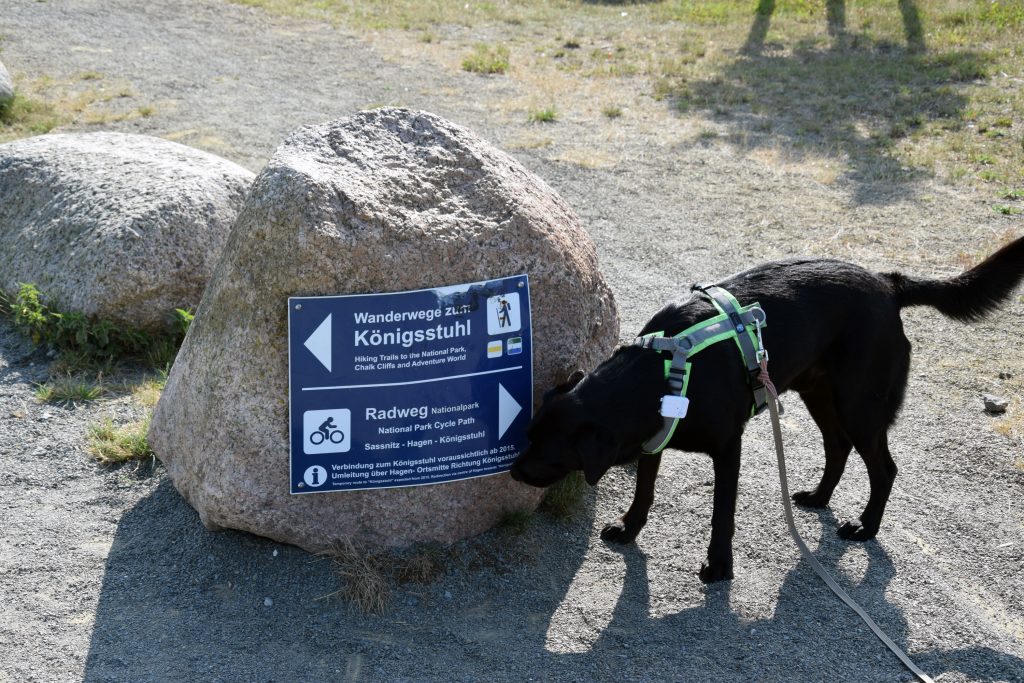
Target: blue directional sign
(408,388)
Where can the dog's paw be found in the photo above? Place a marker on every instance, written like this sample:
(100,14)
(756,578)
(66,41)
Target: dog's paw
(618,532)
(709,573)
(854,531)
(810,499)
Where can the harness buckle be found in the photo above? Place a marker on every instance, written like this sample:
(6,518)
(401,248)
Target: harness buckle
(762,353)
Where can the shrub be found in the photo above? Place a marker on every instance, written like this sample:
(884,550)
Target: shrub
(87,339)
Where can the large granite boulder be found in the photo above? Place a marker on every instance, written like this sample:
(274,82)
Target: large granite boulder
(6,86)
(388,200)
(116,226)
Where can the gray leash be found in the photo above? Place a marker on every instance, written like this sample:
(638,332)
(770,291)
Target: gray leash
(773,410)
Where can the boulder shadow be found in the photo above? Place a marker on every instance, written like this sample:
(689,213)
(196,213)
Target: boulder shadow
(180,603)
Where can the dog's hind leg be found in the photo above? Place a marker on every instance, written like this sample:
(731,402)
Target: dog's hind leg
(866,409)
(723,524)
(821,405)
(881,475)
(625,528)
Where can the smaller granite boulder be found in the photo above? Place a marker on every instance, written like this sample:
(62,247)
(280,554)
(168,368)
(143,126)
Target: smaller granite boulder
(115,226)
(6,86)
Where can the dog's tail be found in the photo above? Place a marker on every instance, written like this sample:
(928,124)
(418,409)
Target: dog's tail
(972,294)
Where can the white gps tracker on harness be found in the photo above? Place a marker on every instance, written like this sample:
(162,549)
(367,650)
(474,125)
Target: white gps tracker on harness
(674,406)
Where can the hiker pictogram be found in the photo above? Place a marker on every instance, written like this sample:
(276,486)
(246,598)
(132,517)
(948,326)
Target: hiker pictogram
(503,312)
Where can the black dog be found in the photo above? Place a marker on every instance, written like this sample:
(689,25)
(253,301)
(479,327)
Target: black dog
(835,337)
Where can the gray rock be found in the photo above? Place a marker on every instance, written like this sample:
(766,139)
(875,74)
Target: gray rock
(994,404)
(6,86)
(388,200)
(117,226)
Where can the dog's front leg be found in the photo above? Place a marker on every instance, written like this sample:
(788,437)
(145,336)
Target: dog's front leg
(727,475)
(625,528)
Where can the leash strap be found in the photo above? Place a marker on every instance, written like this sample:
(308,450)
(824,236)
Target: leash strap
(773,410)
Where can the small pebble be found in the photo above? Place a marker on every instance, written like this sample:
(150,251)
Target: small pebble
(447,595)
(275,553)
(994,404)
(267,602)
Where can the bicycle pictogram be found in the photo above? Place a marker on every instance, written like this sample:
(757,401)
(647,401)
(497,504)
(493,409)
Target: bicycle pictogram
(327,431)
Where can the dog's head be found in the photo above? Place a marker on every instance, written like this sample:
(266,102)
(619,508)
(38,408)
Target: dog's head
(592,422)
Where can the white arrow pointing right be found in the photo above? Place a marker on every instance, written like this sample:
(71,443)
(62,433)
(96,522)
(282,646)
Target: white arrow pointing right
(508,408)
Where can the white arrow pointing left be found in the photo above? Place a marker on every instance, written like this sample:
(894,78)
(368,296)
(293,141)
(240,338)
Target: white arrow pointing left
(319,343)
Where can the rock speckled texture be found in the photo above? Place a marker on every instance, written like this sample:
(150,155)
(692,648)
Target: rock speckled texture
(117,226)
(388,200)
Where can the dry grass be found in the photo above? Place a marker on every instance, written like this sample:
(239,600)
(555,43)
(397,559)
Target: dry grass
(425,564)
(987,247)
(366,586)
(367,575)
(44,104)
(876,90)
(147,393)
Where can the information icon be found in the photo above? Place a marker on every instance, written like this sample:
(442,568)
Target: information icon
(315,476)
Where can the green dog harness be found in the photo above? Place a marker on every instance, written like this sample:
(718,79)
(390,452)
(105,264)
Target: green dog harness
(740,323)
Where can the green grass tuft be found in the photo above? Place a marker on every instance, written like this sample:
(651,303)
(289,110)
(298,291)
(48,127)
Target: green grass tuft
(111,444)
(612,111)
(23,117)
(516,522)
(548,115)
(563,500)
(70,389)
(486,59)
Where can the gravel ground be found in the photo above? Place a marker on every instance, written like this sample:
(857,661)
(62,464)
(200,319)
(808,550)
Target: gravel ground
(107,574)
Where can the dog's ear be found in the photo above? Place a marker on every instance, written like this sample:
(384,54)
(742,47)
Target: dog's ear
(565,386)
(597,449)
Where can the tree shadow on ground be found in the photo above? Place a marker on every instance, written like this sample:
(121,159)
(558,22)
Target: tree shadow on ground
(179,603)
(854,98)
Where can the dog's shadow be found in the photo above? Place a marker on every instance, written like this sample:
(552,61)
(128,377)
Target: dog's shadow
(720,644)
